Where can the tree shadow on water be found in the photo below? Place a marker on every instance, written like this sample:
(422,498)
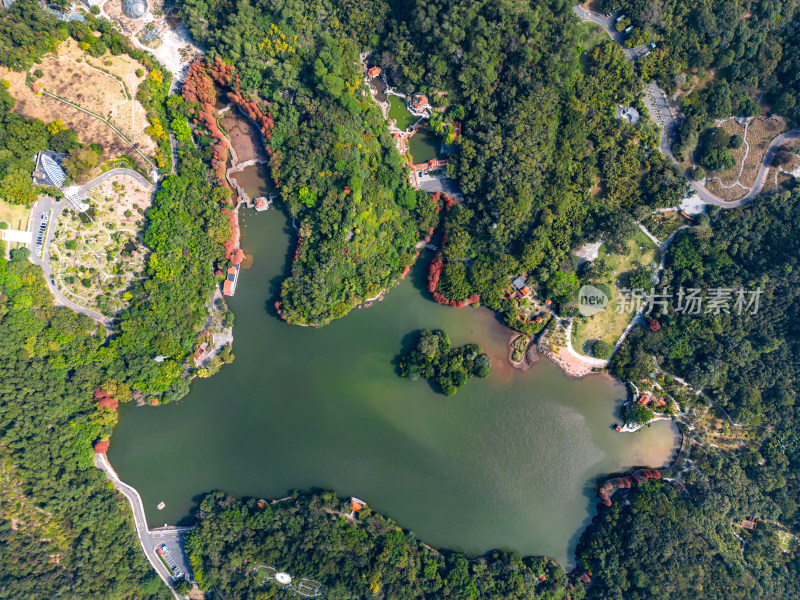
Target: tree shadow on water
(276,281)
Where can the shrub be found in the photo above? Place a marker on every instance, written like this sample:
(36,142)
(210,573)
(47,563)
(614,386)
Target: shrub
(713,152)
(601,349)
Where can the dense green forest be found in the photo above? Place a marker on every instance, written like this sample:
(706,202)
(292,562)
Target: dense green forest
(748,363)
(311,537)
(539,134)
(63,533)
(338,172)
(432,358)
(725,57)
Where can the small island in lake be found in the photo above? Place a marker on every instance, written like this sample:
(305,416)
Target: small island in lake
(432,358)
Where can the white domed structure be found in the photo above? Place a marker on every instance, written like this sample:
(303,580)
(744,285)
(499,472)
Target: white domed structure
(283,578)
(135,9)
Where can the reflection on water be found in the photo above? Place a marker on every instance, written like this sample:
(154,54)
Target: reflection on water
(424,146)
(399,112)
(255,180)
(509,462)
(379,86)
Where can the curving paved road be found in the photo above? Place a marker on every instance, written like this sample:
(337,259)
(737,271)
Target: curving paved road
(761,178)
(149,539)
(608,24)
(53,208)
(661,112)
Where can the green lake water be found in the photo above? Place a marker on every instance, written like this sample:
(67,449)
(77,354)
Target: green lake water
(255,180)
(424,146)
(509,462)
(399,112)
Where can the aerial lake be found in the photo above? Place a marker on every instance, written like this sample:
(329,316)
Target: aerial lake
(509,462)
(424,146)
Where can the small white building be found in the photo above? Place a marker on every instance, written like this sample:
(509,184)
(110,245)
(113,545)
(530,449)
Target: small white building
(628,114)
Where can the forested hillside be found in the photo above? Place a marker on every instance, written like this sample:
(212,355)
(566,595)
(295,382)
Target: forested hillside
(749,364)
(725,56)
(543,164)
(538,134)
(310,537)
(338,173)
(67,535)
(63,534)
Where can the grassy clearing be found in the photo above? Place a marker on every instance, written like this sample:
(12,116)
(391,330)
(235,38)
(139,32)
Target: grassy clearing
(786,541)
(728,176)
(590,35)
(760,134)
(105,85)
(712,427)
(15,215)
(663,224)
(608,325)
(264,574)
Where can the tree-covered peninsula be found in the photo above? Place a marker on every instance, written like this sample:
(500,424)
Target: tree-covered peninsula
(433,359)
(239,545)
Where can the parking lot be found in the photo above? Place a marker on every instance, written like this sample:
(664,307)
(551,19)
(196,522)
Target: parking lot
(40,232)
(660,110)
(164,552)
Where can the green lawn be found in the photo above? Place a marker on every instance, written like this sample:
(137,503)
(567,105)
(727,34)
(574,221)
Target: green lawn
(663,224)
(608,325)
(786,541)
(16,216)
(590,35)
(264,574)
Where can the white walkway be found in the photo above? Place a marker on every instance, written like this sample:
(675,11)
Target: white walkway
(14,235)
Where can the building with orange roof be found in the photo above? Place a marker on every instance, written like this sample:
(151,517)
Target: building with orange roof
(647,398)
(231,279)
(420,101)
(373,72)
(355,506)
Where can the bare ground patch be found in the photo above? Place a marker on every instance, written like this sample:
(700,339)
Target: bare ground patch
(760,134)
(729,176)
(90,88)
(245,138)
